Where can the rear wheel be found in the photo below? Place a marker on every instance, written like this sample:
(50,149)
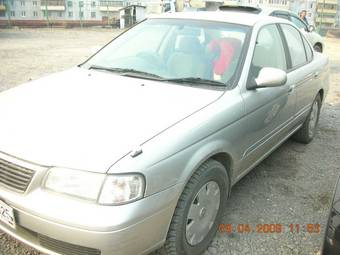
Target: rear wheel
(199,211)
(317,48)
(307,132)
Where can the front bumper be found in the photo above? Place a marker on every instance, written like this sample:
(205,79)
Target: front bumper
(55,224)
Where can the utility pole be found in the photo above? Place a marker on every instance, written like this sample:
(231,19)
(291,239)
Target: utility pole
(8,11)
(46,13)
(107,13)
(81,13)
(321,20)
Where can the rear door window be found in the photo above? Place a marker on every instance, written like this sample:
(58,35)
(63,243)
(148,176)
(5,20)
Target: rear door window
(295,45)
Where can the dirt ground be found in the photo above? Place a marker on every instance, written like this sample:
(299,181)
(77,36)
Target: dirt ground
(292,186)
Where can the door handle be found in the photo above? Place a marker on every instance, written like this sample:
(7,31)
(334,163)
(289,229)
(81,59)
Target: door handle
(290,89)
(316,75)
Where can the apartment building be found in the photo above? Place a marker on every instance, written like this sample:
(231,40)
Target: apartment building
(62,12)
(2,8)
(326,13)
(20,9)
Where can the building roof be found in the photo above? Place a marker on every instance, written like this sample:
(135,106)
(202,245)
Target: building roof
(221,16)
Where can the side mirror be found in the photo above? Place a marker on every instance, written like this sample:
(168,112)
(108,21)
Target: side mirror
(311,28)
(270,77)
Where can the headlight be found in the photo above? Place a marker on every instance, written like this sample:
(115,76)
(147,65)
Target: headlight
(76,183)
(110,189)
(121,189)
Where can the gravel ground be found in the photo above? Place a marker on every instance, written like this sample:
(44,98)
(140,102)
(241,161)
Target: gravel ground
(292,186)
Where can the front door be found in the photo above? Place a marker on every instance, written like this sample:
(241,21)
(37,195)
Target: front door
(269,111)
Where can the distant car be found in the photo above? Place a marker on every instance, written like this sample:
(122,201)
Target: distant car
(308,30)
(331,244)
(137,148)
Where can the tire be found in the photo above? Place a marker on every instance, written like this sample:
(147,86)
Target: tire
(211,176)
(317,48)
(307,132)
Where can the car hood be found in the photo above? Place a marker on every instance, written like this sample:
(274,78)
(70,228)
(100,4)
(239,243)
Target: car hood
(88,120)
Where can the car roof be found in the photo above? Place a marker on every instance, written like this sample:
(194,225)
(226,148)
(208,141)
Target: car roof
(267,11)
(241,18)
(253,9)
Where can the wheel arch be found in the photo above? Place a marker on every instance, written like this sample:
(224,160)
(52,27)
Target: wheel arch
(321,93)
(214,152)
(226,160)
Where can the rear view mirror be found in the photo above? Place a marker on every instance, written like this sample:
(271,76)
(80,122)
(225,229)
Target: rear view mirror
(311,28)
(270,77)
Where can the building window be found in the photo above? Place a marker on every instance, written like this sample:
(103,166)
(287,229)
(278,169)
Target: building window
(35,13)
(13,13)
(81,4)
(70,14)
(93,4)
(2,14)
(45,13)
(69,4)
(93,15)
(35,3)
(60,14)
(81,14)
(12,2)
(22,3)
(23,14)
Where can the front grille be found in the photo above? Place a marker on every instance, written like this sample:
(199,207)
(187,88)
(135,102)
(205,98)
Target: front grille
(14,176)
(66,248)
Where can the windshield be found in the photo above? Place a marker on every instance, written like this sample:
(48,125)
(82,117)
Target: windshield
(173,49)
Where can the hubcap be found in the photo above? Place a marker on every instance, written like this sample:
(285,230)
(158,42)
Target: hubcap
(202,212)
(313,118)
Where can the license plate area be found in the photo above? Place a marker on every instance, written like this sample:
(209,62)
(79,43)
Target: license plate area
(7,214)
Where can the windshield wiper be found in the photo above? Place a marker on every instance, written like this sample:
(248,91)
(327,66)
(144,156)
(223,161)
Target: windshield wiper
(141,74)
(127,72)
(196,81)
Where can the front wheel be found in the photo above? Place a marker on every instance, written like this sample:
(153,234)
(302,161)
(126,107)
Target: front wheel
(307,132)
(198,211)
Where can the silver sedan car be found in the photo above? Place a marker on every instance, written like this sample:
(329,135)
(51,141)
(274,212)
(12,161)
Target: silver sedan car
(137,148)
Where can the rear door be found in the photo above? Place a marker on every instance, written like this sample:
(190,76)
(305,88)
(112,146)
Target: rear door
(302,73)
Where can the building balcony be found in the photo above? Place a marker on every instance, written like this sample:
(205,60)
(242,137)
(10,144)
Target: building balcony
(335,2)
(327,11)
(110,6)
(53,5)
(325,20)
